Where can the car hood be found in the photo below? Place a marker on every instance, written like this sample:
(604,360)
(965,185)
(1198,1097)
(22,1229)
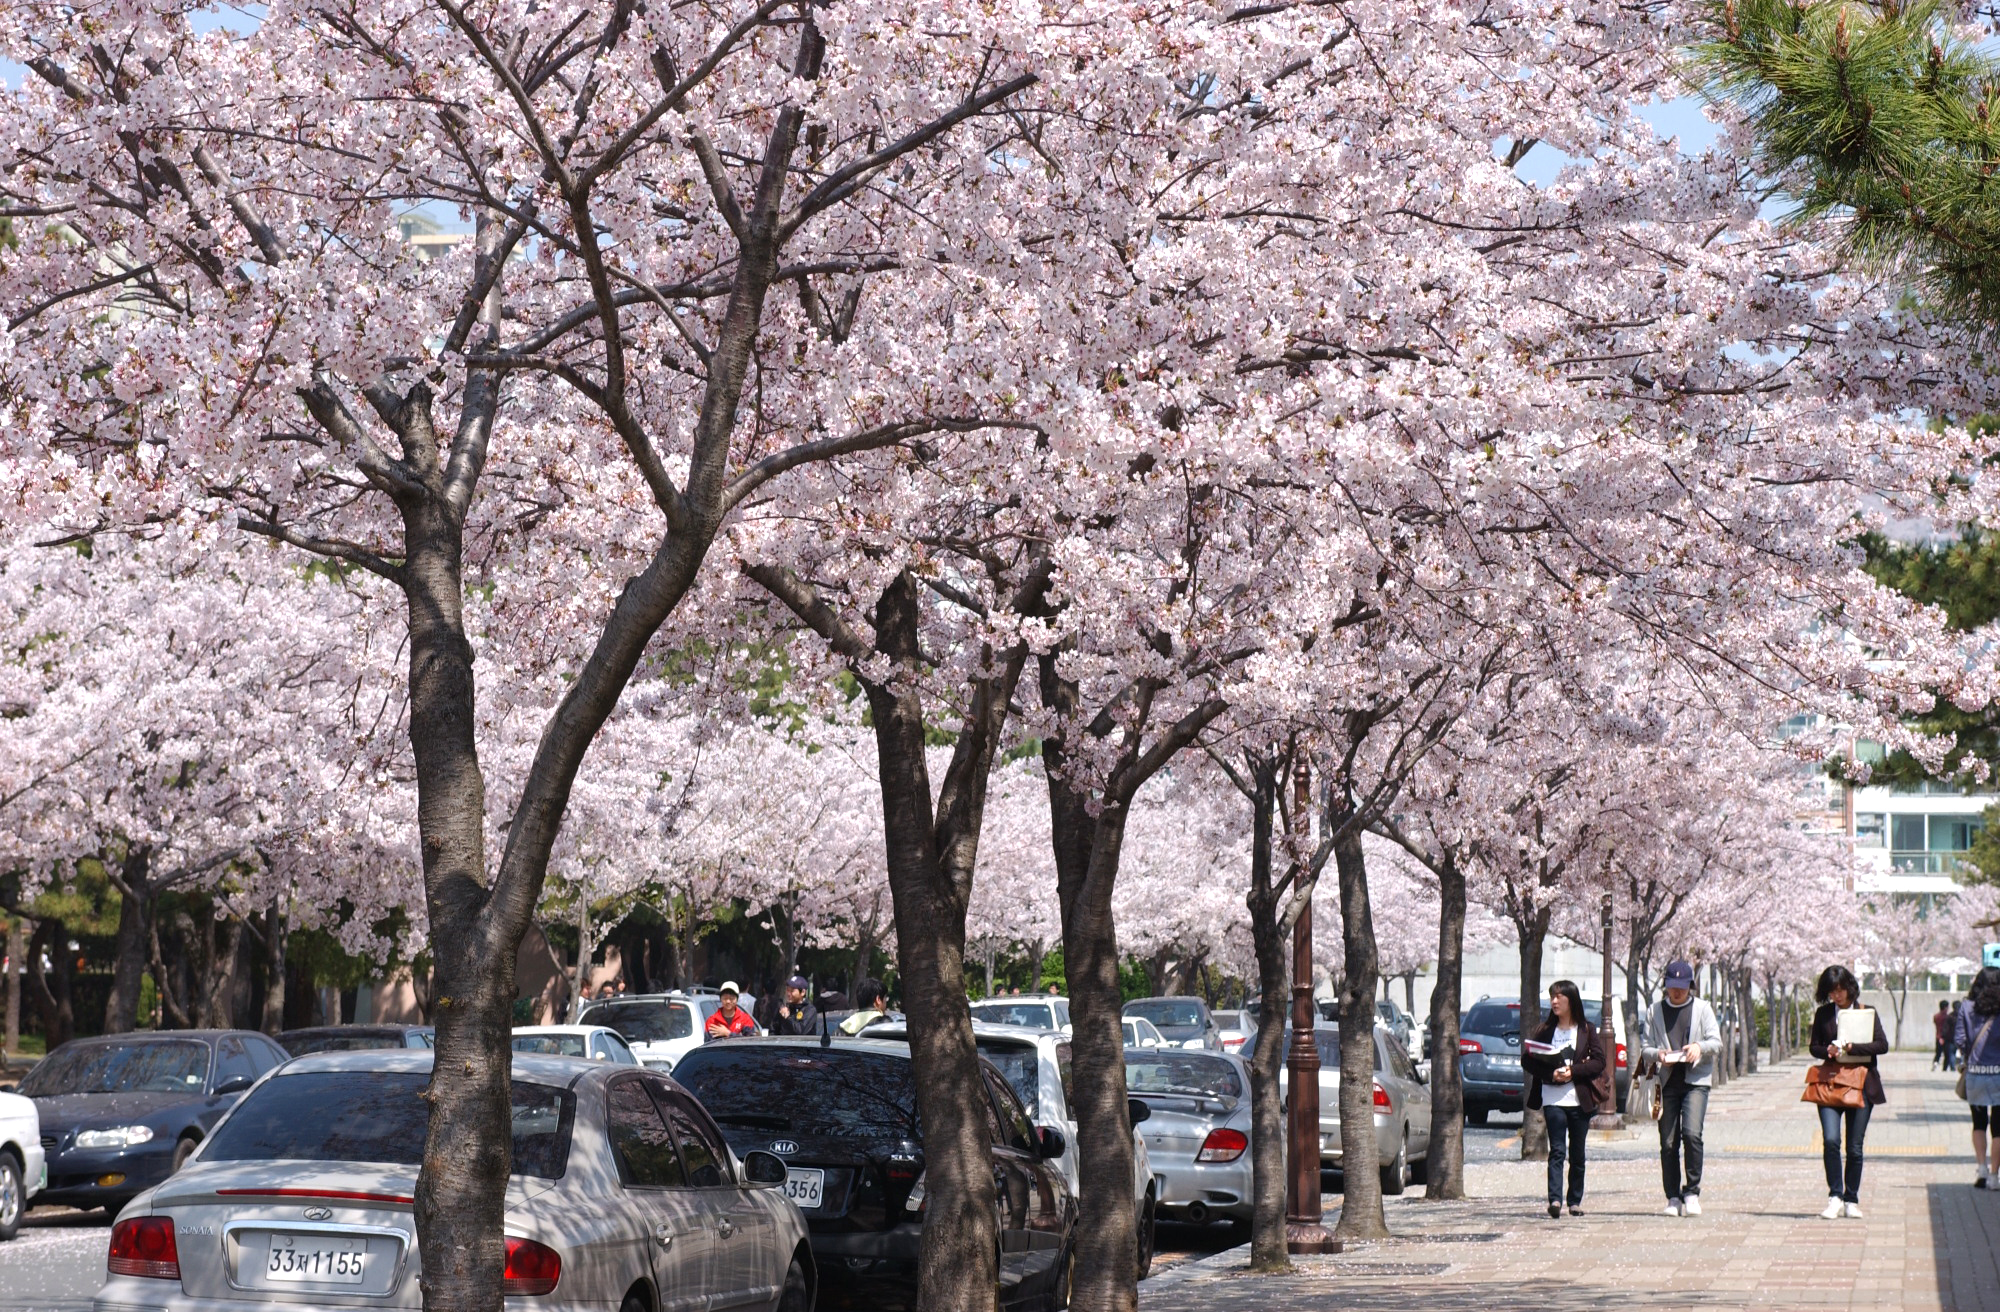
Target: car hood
(72,1111)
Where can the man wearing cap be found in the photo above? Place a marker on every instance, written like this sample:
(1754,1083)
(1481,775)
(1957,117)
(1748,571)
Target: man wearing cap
(796,1015)
(1680,1042)
(731,1020)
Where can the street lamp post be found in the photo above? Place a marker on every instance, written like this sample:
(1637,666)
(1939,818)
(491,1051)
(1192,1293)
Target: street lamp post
(1304,1232)
(1608,1118)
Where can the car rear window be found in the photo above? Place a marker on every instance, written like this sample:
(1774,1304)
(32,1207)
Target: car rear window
(1035,1015)
(643,1022)
(376,1116)
(1161,1012)
(342,1043)
(803,1090)
(550,1045)
(153,1066)
(1182,1072)
(1493,1018)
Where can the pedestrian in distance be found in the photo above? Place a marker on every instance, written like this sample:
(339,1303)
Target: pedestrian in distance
(1564,1068)
(1839,991)
(871,1007)
(796,1015)
(730,1020)
(1976,1039)
(1680,1042)
(1945,1023)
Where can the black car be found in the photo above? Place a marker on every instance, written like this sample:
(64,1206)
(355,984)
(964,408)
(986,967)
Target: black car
(1489,1057)
(1183,1022)
(844,1119)
(121,1113)
(356,1038)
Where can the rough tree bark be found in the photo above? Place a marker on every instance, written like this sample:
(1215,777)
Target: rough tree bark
(1267,936)
(17,947)
(1361,1180)
(1531,924)
(1444,1163)
(137,901)
(276,934)
(53,1000)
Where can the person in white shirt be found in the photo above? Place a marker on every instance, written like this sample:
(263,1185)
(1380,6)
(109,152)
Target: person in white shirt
(1566,1085)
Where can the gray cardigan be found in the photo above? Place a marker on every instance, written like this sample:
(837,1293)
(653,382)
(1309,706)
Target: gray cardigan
(1702,1031)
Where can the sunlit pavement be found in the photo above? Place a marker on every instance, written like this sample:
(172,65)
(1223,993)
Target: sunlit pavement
(57,1261)
(1928,1241)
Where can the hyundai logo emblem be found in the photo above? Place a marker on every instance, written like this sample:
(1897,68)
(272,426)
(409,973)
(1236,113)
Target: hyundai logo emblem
(319,1214)
(783,1146)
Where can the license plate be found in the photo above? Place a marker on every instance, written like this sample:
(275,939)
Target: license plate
(316,1259)
(806,1188)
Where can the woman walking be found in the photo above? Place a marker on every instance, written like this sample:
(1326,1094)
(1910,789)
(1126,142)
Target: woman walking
(1562,1083)
(1976,1039)
(1839,991)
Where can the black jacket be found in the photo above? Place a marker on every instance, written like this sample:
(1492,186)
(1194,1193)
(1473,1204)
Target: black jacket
(1589,1064)
(802,1019)
(1823,1031)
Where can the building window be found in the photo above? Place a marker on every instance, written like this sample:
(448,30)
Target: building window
(1906,833)
(1954,833)
(1869,828)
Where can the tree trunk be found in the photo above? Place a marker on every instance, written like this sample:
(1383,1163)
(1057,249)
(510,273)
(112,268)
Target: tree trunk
(1361,1180)
(54,998)
(276,932)
(136,902)
(580,995)
(218,1010)
(1268,937)
(17,948)
(1534,933)
(1444,1163)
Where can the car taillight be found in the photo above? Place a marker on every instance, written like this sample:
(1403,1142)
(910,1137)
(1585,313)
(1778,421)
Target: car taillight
(1621,1056)
(532,1268)
(1469,1045)
(1381,1099)
(906,1183)
(1222,1146)
(144,1246)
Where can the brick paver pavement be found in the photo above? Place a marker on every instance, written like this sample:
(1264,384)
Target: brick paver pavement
(1927,1244)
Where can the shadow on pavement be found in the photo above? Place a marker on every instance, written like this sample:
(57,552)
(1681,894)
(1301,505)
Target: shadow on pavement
(1965,1244)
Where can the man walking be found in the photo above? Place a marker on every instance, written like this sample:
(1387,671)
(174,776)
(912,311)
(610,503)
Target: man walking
(1680,1043)
(1947,1051)
(796,1015)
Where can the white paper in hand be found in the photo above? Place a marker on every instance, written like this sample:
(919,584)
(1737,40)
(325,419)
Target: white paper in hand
(1854,1025)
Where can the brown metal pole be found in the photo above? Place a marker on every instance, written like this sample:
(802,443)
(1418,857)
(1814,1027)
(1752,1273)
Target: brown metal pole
(1608,1118)
(1304,1232)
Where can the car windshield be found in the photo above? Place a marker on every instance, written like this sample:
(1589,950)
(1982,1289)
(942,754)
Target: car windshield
(1022,1067)
(174,1066)
(299,1047)
(378,1117)
(1164,1012)
(1184,1073)
(1036,1015)
(550,1045)
(1502,1018)
(643,1022)
(803,1090)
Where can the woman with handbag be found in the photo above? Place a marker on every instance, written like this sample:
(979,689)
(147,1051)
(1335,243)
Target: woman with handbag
(1567,1084)
(1847,1088)
(1976,1036)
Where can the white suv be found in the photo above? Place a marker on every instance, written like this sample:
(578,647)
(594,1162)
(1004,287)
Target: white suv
(661,1027)
(23,1169)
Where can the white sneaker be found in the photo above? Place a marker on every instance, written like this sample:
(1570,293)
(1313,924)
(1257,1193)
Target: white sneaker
(1833,1210)
(1854,1211)
(1673,1207)
(1691,1205)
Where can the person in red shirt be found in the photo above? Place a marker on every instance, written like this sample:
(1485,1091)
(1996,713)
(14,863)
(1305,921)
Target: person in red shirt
(731,1020)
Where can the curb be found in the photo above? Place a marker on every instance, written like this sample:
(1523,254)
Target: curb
(1200,1266)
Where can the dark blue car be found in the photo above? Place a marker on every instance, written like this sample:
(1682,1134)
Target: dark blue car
(121,1113)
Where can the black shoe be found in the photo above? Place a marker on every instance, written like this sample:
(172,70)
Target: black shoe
(1980,1183)
(1576,1209)
(1555,1211)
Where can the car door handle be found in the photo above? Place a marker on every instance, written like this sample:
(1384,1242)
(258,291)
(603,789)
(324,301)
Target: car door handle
(725,1227)
(663,1235)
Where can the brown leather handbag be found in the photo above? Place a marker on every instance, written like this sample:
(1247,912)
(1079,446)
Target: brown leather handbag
(1834,1085)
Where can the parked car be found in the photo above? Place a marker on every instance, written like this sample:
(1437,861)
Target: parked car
(1036,1064)
(1197,1133)
(1142,1033)
(1391,1014)
(1402,1108)
(1489,1056)
(356,1038)
(843,1116)
(1185,1022)
(1235,1028)
(660,1027)
(22,1164)
(624,1194)
(1037,1011)
(121,1113)
(591,1042)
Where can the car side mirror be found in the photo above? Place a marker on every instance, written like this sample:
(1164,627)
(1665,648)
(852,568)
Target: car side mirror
(762,1168)
(235,1085)
(1138,1110)
(1051,1142)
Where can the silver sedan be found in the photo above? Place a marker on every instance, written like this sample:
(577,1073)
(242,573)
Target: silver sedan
(1198,1135)
(624,1195)
(1402,1103)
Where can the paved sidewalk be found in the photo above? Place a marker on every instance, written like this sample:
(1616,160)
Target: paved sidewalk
(1928,1242)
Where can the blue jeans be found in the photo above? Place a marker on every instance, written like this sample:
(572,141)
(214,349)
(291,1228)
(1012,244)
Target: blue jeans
(1684,1107)
(1568,1127)
(1846,1188)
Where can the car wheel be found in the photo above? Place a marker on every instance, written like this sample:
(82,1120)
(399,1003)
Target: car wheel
(1396,1175)
(797,1295)
(1064,1283)
(182,1151)
(1475,1116)
(13,1199)
(1146,1226)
